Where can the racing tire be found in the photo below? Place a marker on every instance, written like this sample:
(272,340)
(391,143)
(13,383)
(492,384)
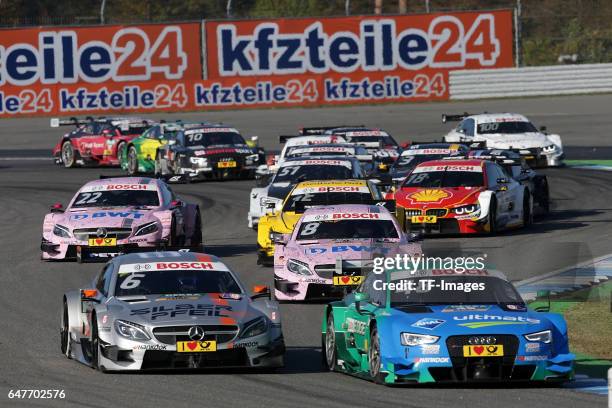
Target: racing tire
(493,216)
(65,333)
(68,155)
(545,199)
(132,161)
(374,360)
(527,214)
(196,238)
(95,345)
(329,350)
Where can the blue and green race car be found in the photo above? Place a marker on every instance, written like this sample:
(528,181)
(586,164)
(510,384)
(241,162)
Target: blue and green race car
(440,326)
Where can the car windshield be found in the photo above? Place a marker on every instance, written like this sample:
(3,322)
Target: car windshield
(208,139)
(347,229)
(445,179)
(116,198)
(175,282)
(405,163)
(435,292)
(505,127)
(312,172)
(326,198)
(387,141)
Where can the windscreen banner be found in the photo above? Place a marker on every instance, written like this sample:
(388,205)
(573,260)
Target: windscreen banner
(69,71)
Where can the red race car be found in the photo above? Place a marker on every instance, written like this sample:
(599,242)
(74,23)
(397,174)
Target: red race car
(96,141)
(455,196)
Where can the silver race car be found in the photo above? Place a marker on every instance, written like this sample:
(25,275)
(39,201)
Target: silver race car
(161,310)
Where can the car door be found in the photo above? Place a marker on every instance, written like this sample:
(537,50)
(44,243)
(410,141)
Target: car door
(506,191)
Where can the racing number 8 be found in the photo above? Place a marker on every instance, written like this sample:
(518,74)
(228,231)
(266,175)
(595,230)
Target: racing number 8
(310,228)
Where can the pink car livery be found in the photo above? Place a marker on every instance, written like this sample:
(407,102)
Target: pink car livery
(113,216)
(332,248)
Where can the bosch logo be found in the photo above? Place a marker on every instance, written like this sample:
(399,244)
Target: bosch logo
(479,340)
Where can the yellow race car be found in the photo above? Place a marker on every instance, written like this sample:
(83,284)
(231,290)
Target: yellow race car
(305,195)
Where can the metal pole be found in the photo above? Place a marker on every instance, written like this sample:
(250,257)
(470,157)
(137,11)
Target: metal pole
(402,7)
(378,4)
(228,8)
(102,7)
(427,6)
(347,7)
(517,34)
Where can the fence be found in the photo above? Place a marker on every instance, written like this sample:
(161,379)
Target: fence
(530,81)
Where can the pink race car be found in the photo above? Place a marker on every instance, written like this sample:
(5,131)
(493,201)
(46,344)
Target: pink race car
(113,216)
(332,248)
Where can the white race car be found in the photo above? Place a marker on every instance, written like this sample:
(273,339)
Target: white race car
(507,131)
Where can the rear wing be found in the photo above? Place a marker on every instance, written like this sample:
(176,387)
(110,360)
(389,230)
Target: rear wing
(73,121)
(454,118)
(319,130)
(123,124)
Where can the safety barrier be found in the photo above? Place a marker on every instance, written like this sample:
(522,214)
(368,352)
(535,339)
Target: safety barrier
(530,81)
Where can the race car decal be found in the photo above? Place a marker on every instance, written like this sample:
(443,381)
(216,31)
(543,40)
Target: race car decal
(429,196)
(183,310)
(113,187)
(431,360)
(427,169)
(346,216)
(416,152)
(221,151)
(211,130)
(366,133)
(317,162)
(428,323)
(331,189)
(325,149)
(466,308)
(103,214)
(493,320)
(345,248)
(161,266)
(355,326)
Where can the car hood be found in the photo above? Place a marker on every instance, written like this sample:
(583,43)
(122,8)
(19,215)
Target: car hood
(106,217)
(182,310)
(425,197)
(467,319)
(516,141)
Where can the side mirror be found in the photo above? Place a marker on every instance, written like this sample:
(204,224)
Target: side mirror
(543,294)
(57,208)
(176,204)
(261,291)
(171,142)
(279,238)
(542,129)
(90,295)
(361,297)
(107,133)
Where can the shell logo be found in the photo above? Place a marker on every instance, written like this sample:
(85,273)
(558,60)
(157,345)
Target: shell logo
(429,196)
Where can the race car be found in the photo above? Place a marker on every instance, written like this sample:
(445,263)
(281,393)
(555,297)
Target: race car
(138,155)
(291,142)
(166,310)
(419,153)
(462,196)
(507,131)
(108,217)
(332,248)
(206,152)
(307,194)
(405,328)
(292,171)
(96,141)
(516,166)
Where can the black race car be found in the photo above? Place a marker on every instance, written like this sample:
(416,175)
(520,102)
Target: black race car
(206,152)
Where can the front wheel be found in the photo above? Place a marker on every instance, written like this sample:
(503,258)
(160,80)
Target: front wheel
(374,359)
(329,346)
(95,346)
(493,217)
(64,332)
(527,214)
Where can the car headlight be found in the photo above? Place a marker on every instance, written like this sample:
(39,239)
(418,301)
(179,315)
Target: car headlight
(542,336)
(61,231)
(147,228)
(413,339)
(466,209)
(549,149)
(298,267)
(255,327)
(132,331)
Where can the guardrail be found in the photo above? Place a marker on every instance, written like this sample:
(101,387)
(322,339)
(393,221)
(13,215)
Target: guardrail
(530,81)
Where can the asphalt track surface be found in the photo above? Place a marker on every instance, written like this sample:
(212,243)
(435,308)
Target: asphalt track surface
(30,290)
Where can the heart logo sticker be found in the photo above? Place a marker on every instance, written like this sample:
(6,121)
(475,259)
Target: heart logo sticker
(99,241)
(345,279)
(478,349)
(192,345)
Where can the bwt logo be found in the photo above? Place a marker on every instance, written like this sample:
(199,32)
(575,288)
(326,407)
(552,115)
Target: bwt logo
(130,56)
(376,47)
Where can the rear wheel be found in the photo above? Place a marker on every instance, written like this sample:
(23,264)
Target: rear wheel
(329,347)
(132,161)
(67,153)
(527,215)
(196,238)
